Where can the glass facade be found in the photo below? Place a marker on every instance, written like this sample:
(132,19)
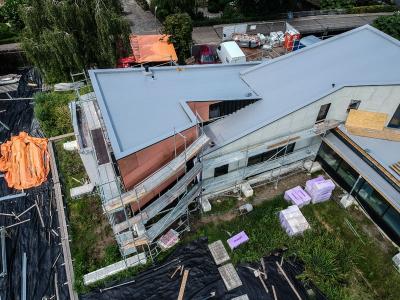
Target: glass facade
(373,202)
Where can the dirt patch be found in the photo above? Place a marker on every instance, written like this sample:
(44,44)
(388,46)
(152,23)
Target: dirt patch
(268,191)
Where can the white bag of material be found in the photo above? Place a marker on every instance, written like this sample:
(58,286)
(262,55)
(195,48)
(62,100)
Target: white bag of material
(293,221)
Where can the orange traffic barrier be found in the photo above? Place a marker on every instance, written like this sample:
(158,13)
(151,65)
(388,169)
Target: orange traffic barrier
(25,161)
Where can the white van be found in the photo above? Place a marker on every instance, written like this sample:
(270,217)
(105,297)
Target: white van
(230,53)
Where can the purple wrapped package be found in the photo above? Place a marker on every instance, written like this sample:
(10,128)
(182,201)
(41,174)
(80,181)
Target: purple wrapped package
(321,191)
(297,196)
(311,182)
(237,240)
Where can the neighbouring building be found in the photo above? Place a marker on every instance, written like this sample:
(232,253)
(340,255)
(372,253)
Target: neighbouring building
(156,141)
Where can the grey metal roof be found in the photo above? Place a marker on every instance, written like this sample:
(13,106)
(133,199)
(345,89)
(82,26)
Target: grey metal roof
(369,174)
(363,56)
(383,151)
(139,110)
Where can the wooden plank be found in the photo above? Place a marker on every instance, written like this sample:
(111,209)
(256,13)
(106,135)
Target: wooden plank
(183,285)
(284,142)
(366,120)
(288,280)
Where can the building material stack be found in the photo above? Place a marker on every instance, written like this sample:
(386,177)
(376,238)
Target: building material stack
(319,189)
(293,221)
(297,196)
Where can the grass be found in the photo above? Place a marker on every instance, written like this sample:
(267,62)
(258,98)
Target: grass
(339,263)
(92,242)
(222,205)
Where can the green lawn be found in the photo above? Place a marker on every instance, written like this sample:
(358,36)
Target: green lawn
(341,264)
(92,242)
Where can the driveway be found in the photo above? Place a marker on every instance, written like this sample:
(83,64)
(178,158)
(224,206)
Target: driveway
(141,22)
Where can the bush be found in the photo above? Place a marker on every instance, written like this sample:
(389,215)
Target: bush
(51,109)
(215,6)
(7,34)
(333,4)
(371,9)
(389,25)
(179,27)
(143,4)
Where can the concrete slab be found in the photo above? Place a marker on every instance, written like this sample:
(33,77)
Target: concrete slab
(230,276)
(218,252)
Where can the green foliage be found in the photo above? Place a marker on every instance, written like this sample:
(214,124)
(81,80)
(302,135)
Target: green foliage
(215,6)
(51,109)
(222,205)
(7,34)
(10,12)
(92,242)
(371,9)
(336,4)
(179,26)
(333,256)
(389,25)
(61,37)
(169,7)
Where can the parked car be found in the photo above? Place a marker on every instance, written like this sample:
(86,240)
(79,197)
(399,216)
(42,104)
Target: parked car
(206,55)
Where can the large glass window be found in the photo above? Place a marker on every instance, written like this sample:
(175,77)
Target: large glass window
(275,153)
(370,198)
(395,121)
(329,156)
(348,175)
(392,220)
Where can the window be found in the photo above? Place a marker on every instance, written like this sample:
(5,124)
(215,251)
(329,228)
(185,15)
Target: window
(392,220)
(218,171)
(329,156)
(395,121)
(275,153)
(354,104)
(323,112)
(370,198)
(347,174)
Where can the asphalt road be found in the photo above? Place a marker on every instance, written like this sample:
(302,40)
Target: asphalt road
(141,22)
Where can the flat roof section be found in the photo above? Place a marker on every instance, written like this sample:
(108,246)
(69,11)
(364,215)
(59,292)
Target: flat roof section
(293,81)
(385,152)
(141,108)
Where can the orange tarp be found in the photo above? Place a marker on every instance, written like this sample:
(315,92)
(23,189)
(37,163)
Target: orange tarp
(152,48)
(25,161)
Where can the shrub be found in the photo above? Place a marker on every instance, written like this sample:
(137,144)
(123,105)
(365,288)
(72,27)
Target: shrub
(51,109)
(179,27)
(389,25)
(371,9)
(332,4)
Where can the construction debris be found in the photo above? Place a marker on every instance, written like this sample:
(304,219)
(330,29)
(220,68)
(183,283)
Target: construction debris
(183,285)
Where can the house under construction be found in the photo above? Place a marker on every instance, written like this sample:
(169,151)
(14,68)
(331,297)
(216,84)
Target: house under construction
(157,142)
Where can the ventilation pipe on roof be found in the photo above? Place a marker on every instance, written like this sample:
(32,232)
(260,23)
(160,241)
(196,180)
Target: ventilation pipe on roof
(148,72)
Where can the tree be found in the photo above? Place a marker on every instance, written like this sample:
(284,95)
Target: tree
(10,12)
(179,27)
(389,25)
(337,4)
(67,36)
(168,7)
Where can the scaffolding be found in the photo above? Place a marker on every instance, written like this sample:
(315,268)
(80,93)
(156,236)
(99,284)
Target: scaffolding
(132,230)
(272,168)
